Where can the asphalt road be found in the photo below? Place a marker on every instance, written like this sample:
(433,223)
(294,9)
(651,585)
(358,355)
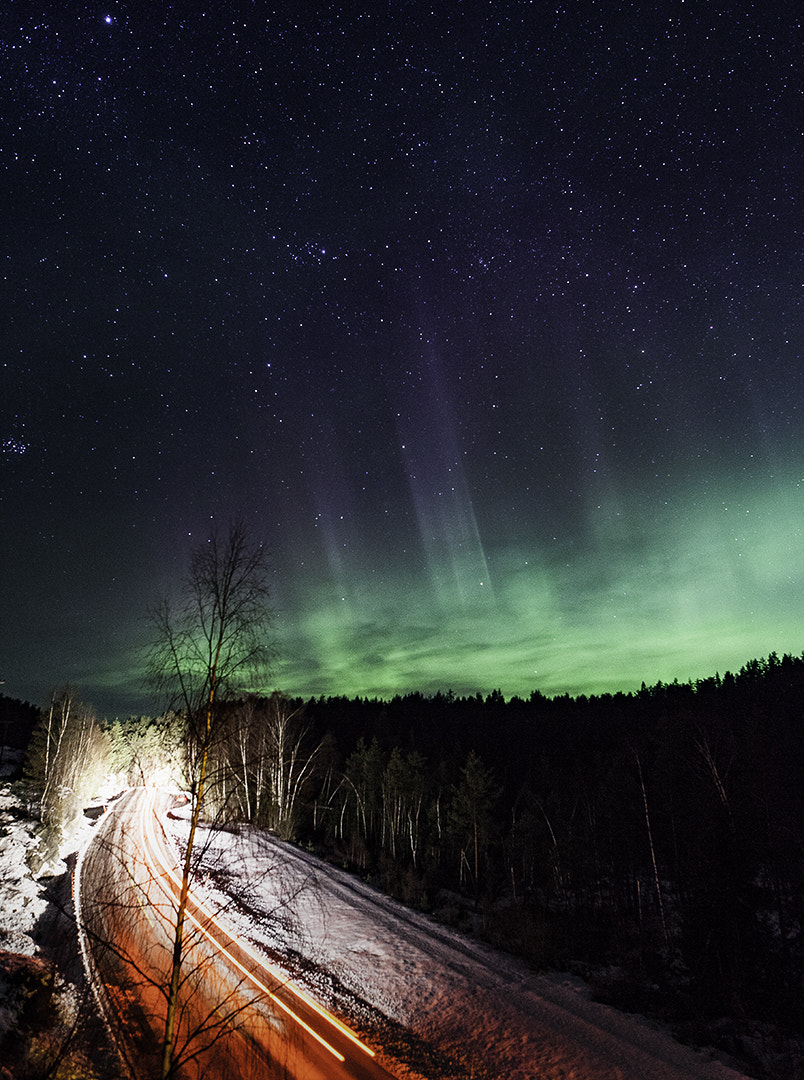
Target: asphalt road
(238,1017)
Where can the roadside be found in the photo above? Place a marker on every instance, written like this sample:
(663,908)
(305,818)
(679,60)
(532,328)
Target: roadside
(48,1021)
(442,1005)
(439,1005)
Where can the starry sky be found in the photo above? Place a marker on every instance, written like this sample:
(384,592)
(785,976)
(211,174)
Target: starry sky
(485,317)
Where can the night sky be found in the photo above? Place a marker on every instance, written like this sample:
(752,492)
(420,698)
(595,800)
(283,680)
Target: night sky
(487,318)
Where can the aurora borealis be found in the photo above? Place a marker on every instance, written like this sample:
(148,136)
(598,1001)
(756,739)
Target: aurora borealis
(487,319)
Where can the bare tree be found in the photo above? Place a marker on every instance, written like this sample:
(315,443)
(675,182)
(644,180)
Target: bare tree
(228,1020)
(264,762)
(290,763)
(208,645)
(654,863)
(68,757)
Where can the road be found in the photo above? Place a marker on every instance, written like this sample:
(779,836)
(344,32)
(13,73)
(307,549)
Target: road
(238,1015)
(466,1009)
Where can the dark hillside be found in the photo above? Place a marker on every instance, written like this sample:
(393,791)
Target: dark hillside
(653,841)
(17,720)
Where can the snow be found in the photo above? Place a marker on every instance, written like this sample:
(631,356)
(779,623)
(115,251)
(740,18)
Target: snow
(21,897)
(469,1010)
(442,1005)
(23,894)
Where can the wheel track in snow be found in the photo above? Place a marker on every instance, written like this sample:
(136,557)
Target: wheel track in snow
(546,1025)
(426,933)
(429,935)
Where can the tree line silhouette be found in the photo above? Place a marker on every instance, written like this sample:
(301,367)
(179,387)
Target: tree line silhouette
(652,842)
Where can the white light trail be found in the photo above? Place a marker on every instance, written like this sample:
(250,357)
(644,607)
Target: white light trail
(150,842)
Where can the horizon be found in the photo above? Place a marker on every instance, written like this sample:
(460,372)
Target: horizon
(467,693)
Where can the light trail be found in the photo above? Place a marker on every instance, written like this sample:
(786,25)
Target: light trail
(150,842)
(170,872)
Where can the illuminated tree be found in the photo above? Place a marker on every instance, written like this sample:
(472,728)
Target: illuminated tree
(208,645)
(266,760)
(147,749)
(68,757)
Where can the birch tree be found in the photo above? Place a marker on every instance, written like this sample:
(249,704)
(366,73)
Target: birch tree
(209,644)
(68,757)
(289,761)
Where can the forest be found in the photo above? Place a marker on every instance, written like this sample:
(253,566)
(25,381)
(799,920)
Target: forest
(652,842)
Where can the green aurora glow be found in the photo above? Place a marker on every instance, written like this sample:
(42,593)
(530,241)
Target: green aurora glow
(487,323)
(680,596)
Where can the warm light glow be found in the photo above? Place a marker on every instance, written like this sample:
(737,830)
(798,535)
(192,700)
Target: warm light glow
(150,842)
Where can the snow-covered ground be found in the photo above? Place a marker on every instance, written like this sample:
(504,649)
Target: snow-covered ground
(25,896)
(442,1005)
(447,1005)
(22,899)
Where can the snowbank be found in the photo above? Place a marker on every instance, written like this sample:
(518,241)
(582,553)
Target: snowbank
(470,1011)
(442,1005)
(23,899)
